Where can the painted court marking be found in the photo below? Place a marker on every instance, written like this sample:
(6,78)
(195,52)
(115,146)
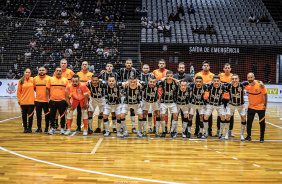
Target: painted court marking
(85,170)
(97,146)
(10,119)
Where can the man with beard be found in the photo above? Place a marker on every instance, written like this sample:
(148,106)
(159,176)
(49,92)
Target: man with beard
(39,83)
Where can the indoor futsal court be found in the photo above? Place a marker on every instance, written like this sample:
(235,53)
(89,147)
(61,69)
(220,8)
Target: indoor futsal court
(43,158)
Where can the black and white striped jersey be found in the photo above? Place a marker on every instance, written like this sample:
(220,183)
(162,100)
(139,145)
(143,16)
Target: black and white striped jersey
(98,91)
(167,91)
(150,95)
(197,94)
(124,74)
(236,93)
(105,76)
(215,97)
(112,95)
(182,97)
(132,96)
(144,78)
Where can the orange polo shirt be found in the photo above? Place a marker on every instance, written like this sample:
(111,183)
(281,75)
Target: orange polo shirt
(57,88)
(25,92)
(40,88)
(207,76)
(256,96)
(159,75)
(225,78)
(77,93)
(84,77)
(66,74)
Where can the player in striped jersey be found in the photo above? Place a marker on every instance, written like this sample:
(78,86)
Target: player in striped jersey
(214,102)
(197,103)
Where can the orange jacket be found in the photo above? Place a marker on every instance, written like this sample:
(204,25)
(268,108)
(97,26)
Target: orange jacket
(25,92)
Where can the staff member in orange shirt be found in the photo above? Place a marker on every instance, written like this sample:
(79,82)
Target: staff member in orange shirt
(84,76)
(257,104)
(55,92)
(224,78)
(25,94)
(66,73)
(79,97)
(159,74)
(207,77)
(41,102)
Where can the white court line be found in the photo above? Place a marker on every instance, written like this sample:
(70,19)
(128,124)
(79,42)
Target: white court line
(271,124)
(256,165)
(97,146)
(10,119)
(85,170)
(52,152)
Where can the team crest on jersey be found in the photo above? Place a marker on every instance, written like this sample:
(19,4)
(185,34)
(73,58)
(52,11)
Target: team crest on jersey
(186,93)
(220,91)
(99,89)
(78,90)
(240,89)
(155,88)
(136,92)
(131,73)
(202,91)
(45,81)
(173,86)
(256,90)
(62,82)
(115,89)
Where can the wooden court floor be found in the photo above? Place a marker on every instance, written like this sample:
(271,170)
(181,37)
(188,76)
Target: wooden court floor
(56,159)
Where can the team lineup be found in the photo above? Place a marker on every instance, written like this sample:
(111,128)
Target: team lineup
(149,95)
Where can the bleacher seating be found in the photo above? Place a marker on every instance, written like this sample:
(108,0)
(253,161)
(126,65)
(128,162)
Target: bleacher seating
(229,18)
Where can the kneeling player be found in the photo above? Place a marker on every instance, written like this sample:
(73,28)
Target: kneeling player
(197,103)
(79,95)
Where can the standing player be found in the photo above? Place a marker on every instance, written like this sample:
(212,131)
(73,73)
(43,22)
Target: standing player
(84,76)
(55,92)
(39,83)
(197,103)
(66,73)
(207,76)
(97,99)
(168,85)
(224,78)
(132,101)
(151,101)
(216,91)
(182,97)
(25,94)
(124,74)
(104,75)
(79,95)
(159,74)
(113,104)
(257,104)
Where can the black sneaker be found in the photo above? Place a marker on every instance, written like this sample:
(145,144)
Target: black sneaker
(200,135)
(98,130)
(104,131)
(134,130)
(78,129)
(46,131)
(29,130)
(171,134)
(154,130)
(114,130)
(261,140)
(188,135)
(166,130)
(196,133)
(248,138)
(163,134)
(90,132)
(25,130)
(38,130)
(210,134)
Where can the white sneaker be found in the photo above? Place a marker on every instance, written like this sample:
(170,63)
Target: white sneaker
(125,134)
(119,134)
(231,133)
(107,134)
(175,135)
(85,133)
(139,134)
(183,135)
(68,132)
(51,131)
(62,131)
(242,137)
(226,136)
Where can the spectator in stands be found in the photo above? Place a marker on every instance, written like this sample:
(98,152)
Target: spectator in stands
(118,64)
(192,70)
(59,41)
(97,10)
(85,32)
(171,17)
(18,25)
(191,10)
(27,10)
(39,31)
(106,52)
(1,56)
(144,21)
(264,19)
(121,26)
(79,14)
(96,40)
(137,11)
(11,75)
(64,14)
(167,29)
(89,46)
(118,16)
(176,17)
(20,11)
(143,12)
(70,51)
(32,45)
(19,59)
(113,52)
(110,27)
(100,51)
(91,68)
(76,45)
(67,36)
(72,37)
(67,53)
(210,30)
(27,55)
(115,38)
(160,29)
(252,18)
(180,9)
